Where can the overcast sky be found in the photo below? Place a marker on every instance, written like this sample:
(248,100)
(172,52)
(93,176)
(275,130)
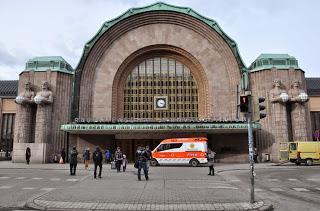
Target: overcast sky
(32,28)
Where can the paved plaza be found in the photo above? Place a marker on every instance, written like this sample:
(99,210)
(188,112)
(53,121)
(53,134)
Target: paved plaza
(169,188)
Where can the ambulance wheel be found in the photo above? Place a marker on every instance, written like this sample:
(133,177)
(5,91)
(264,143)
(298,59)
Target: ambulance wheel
(154,162)
(194,162)
(309,162)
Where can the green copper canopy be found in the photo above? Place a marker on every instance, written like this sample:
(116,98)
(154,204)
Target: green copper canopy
(52,63)
(160,6)
(279,61)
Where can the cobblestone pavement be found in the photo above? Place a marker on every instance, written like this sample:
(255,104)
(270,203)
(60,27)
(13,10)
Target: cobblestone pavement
(169,188)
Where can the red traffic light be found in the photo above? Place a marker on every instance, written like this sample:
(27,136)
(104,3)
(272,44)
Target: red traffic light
(244,103)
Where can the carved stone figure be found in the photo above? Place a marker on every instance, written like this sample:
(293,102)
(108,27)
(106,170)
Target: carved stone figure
(298,98)
(43,99)
(25,115)
(277,94)
(278,98)
(27,96)
(44,96)
(297,95)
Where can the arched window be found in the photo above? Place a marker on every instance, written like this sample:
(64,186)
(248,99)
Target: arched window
(160,88)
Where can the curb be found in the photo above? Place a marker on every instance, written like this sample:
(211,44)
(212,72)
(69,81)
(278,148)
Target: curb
(35,203)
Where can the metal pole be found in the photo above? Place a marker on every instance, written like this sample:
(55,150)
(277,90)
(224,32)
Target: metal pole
(250,140)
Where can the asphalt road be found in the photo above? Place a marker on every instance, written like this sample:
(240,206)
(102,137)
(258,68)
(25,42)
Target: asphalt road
(286,187)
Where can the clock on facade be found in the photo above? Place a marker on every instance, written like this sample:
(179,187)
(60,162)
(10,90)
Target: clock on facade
(160,102)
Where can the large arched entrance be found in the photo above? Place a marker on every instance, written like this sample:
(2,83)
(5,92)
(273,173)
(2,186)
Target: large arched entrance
(160,88)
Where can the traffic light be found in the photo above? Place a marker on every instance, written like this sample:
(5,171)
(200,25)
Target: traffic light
(259,109)
(244,103)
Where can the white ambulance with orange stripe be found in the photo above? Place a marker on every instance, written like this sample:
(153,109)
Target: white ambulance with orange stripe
(190,151)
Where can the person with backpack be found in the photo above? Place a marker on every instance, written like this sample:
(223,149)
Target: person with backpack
(141,159)
(73,160)
(210,157)
(97,159)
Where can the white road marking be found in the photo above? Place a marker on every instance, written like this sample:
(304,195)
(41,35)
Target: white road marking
(313,179)
(292,179)
(20,178)
(273,180)
(4,177)
(48,189)
(300,189)
(5,187)
(276,189)
(55,179)
(317,188)
(256,190)
(28,188)
(235,180)
(214,187)
(72,180)
(37,178)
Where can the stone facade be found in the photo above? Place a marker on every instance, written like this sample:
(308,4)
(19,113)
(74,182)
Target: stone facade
(279,126)
(44,126)
(96,90)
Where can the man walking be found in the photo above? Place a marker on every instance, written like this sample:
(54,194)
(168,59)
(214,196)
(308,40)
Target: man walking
(142,157)
(97,159)
(210,157)
(118,158)
(73,160)
(149,154)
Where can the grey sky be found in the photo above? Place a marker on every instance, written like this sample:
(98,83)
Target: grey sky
(32,28)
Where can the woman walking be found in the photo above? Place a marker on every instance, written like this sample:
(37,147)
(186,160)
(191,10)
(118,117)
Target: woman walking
(86,158)
(28,155)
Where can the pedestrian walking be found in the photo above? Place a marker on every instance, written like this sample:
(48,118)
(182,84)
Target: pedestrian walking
(118,158)
(124,162)
(142,157)
(63,155)
(255,155)
(28,155)
(149,155)
(73,160)
(97,159)
(86,158)
(210,157)
(107,154)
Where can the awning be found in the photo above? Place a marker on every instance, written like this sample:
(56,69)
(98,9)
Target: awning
(116,128)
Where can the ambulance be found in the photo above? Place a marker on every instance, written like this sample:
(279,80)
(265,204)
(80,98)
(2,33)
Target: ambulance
(190,151)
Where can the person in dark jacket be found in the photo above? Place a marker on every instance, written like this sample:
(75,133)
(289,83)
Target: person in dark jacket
(210,157)
(149,155)
(97,159)
(63,155)
(142,158)
(28,155)
(118,156)
(86,158)
(73,160)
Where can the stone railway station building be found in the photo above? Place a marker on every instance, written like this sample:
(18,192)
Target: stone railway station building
(156,72)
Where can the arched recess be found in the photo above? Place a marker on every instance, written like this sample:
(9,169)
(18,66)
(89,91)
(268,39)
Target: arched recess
(164,51)
(164,27)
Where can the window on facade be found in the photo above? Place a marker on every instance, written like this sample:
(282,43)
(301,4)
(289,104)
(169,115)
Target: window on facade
(161,76)
(7,128)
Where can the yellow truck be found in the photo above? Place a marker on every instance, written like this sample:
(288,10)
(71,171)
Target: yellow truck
(307,152)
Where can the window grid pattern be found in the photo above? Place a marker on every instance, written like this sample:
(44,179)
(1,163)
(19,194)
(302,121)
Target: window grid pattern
(160,76)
